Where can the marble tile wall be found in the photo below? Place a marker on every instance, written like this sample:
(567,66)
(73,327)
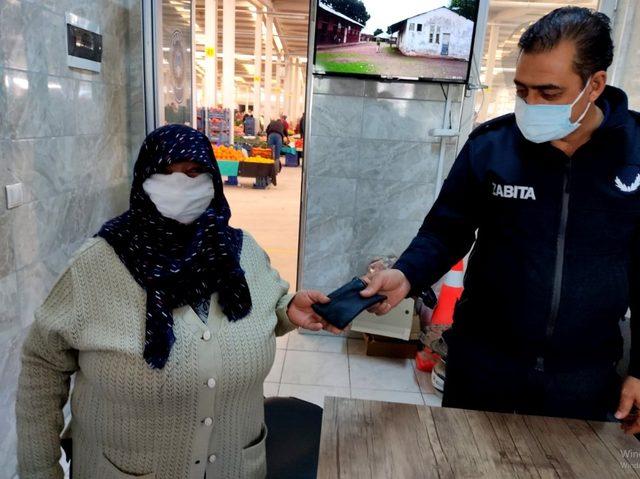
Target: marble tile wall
(70,137)
(370,172)
(626,47)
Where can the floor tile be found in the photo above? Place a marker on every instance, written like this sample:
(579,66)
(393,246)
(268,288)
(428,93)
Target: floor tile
(315,342)
(314,394)
(432,399)
(387,396)
(356,346)
(276,370)
(315,368)
(271,389)
(424,380)
(382,373)
(282,341)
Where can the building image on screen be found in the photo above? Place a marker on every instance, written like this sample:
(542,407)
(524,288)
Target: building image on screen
(428,40)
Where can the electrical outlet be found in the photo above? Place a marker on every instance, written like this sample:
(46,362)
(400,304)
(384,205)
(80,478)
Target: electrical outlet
(15,195)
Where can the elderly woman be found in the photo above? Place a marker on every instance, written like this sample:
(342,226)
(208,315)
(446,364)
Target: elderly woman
(168,321)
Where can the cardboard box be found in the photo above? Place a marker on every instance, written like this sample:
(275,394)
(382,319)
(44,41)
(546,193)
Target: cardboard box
(390,347)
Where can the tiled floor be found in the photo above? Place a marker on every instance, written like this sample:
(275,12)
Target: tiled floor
(312,366)
(272,218)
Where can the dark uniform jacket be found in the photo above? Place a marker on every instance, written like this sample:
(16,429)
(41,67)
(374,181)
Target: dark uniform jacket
(556,246)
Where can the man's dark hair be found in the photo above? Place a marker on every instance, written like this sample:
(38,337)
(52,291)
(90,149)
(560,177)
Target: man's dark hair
(590,31)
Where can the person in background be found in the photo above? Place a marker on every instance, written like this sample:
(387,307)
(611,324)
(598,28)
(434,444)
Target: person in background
(377,45)
(285,124)
(249,124)
(302,125)
(276,135)
(550,196)
(168,320)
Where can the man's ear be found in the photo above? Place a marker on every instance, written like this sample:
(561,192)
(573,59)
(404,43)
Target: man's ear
(598,82)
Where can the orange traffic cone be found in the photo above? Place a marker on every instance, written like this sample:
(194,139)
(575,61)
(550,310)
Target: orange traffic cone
(442,316)
(449,295)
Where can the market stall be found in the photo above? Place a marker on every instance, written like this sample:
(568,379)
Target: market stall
(236,162)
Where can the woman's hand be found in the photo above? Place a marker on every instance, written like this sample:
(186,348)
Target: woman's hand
(301,314)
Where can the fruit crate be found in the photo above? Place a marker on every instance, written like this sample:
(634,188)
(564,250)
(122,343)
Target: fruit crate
(263,152)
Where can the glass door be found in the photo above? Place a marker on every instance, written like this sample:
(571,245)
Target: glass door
(169,61)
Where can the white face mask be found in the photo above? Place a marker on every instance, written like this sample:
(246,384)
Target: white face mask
(541,123)
(180,197)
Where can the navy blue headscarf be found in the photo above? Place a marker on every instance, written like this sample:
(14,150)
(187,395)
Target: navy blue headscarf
(178,264)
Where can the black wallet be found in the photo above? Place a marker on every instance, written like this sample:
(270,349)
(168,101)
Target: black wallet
(346,303)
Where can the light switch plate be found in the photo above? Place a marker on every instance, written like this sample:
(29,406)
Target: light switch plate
(15,195)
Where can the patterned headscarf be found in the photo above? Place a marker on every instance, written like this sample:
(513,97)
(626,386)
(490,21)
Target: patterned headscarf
(178,264)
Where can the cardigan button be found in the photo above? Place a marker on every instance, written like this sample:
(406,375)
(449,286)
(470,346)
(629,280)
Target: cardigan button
(208,421)
(206,335)
(211,383)
(212,458)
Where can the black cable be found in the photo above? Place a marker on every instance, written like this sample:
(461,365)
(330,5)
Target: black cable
(445,99)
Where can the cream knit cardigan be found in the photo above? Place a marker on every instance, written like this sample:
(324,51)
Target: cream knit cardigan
(202,413)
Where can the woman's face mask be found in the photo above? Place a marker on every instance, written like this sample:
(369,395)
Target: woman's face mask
(542,123)
(180,197)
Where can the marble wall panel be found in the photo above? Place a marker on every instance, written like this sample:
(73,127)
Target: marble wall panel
(4,120)
(24,109)
(627,44)
(115,113)
(411,91)
(342,157)
(371,168)
(326,231)
(7,256)
(326,271)
(34,234)
(10,345)
(113,47)
(34,283)
(401,120)
(59,100)
(70,137)
(54,40)
(386,200)
(381,237)
(22,46)
(9,310)
(337,116)
(336,86)
(91,107)
(333,196)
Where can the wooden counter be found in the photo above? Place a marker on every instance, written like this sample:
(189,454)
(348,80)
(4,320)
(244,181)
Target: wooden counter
(368,439)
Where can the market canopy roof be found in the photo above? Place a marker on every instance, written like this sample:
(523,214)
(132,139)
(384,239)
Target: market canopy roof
(291,29)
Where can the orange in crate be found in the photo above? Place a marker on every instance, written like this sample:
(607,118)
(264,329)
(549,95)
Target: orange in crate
(262,152)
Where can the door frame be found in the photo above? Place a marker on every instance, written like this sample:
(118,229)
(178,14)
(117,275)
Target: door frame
(152,55)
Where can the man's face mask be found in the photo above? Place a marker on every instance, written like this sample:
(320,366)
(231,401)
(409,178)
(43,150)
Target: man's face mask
(542,123)
(180,197)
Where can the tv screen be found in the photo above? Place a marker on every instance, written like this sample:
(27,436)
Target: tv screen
(419,40)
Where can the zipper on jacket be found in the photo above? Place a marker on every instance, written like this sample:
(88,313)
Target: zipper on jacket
(559,264)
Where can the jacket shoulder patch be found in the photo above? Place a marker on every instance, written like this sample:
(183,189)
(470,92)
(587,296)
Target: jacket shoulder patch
(628,179)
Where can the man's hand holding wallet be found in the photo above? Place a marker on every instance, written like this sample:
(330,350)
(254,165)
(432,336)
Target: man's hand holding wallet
(379,295)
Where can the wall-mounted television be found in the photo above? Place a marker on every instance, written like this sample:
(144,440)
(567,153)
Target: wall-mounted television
(411,40)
